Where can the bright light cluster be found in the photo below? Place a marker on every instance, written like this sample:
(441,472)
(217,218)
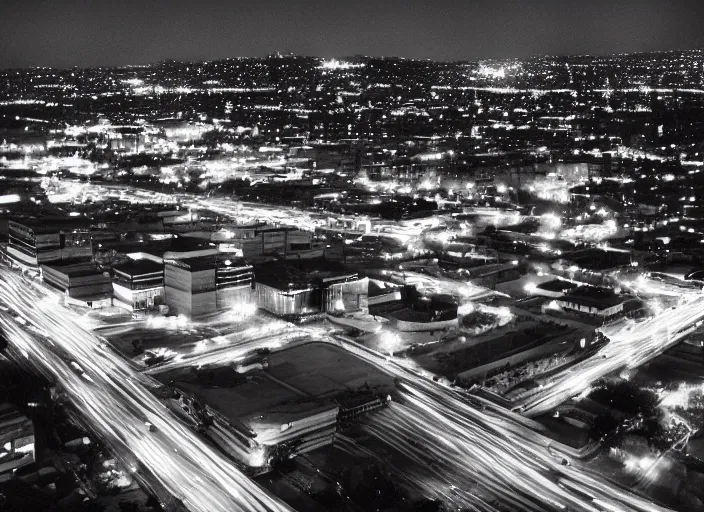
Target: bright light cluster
(336,64)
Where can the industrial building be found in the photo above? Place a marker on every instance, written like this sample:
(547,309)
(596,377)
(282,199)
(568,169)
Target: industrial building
(554,288)
(31,242)
(600,302)
(493,274)
(309,425)
(259,240)
(139,284)
(206,280)
(16,441)
(81,282)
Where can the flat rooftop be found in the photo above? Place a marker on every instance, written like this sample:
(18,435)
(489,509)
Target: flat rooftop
(378,287)
(298,381)
(219,260)
(74,269)
(157,247)
(12,420)
(301,274)
(598,259)
(600,298)
(492,268)
(557,285)
(139,267)
(53,224)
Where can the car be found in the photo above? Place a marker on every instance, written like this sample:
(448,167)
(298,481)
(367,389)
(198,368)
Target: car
(150,426)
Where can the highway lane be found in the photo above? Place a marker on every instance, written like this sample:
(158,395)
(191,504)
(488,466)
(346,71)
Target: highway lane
(630,347)
(282,215)
(417,469)
(108,394)
(503,464)
(526,476)
(225,350)
(492,449)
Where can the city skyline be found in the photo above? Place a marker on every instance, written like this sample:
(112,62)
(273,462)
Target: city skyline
(387,262)
(67,34)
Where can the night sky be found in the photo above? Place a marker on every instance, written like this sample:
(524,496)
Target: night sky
(64,33)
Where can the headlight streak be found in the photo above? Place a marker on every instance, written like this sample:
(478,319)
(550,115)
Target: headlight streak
(507,461)
(116,408)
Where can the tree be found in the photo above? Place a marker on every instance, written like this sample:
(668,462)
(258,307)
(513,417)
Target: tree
(627,397)
(93,506)
(137,346)
(605,428)
(129,506)
(427,505)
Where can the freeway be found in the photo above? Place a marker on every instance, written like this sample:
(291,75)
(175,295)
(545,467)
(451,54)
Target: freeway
(229,349)
(471,449)
(483,455)
(440,285)
(478,456)
(272,214)
(630,346)
(111,399)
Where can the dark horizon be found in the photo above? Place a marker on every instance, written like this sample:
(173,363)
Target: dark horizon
(350,56)
(72,33)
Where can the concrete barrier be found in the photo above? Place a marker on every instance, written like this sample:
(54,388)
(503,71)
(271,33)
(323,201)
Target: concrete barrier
(406,326)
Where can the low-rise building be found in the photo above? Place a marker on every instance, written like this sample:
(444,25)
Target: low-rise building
(33,242)
(555,288)
(258,240)
(139,284)
(600,302)
(493,274)
(81,282)
(16,441)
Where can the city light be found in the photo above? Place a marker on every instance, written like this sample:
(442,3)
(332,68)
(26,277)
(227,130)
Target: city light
(478,281)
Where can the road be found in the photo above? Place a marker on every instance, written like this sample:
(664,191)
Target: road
(630,346)
(482,454)
(111,399)
(478,456)
(442,285)
(272,214)
(231,348)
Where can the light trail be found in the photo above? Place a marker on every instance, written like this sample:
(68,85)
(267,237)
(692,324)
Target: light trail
(630,347)
(496,453)
(275,215)
(110,397)
(492,449)
(225,350)
(482,457)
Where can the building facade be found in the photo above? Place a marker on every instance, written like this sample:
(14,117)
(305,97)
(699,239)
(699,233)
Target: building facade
(207,282)
(16,441)
(82,282)
(139,284)
(286,291)
(31,243)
